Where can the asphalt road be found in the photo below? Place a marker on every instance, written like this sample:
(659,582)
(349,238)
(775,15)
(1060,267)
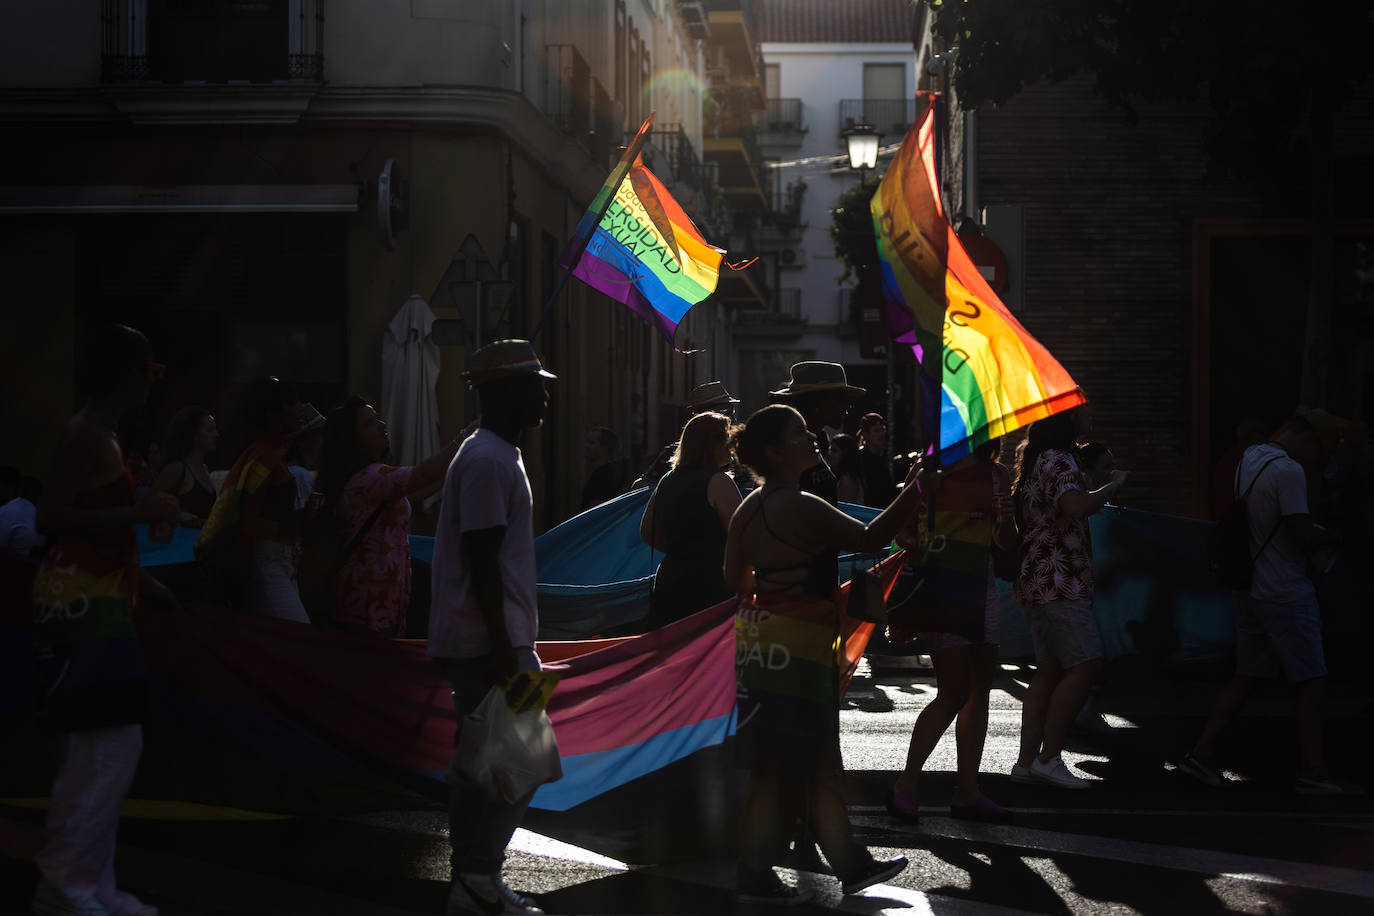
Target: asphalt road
(1142,839)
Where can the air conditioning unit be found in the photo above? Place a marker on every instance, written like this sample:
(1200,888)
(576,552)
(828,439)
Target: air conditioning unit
(794,256)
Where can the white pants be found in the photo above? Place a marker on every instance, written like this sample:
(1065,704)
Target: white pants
(273,592)
(76,862)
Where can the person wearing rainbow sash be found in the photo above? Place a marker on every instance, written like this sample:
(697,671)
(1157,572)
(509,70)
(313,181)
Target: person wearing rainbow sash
(780,556)
(953,605)
(91,674)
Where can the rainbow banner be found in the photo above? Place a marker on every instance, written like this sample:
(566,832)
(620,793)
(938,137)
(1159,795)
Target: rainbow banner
(636,245)
(982,374)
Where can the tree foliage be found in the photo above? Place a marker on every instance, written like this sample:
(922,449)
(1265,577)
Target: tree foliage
(1264,70)
(851,229)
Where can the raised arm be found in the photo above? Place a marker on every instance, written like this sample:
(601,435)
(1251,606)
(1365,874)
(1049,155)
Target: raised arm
(1077,504)
(428,475)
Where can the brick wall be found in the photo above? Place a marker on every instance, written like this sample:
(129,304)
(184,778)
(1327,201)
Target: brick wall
(1109,209)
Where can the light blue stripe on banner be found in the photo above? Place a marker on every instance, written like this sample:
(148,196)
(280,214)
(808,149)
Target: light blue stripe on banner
(586,776)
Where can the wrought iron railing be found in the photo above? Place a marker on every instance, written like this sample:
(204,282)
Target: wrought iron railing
(138,46)
(789,303)
(692,181)
(781,116)
(890,117)
(567,89)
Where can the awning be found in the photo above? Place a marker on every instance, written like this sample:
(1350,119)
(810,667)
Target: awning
(209,198)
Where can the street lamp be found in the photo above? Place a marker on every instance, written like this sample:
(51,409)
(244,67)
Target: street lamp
(862,140)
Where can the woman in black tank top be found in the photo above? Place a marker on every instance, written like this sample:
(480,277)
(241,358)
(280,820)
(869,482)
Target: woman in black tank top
(686,518)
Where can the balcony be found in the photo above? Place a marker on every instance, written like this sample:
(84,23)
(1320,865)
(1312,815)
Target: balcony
(783,319)
(890,117)
(577,103)
(695,17)
(780,223)
(737,60)
(746,289)
(731,143)
(220,43)
(781,116)
(670,155)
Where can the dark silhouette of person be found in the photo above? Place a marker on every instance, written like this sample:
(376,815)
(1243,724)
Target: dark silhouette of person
(822,394)
(605,480)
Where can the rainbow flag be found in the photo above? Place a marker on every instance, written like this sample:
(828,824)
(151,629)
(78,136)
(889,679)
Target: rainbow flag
(636,245)
(982,374)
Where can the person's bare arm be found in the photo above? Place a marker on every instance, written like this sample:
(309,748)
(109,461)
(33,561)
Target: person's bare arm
(169,478)
(824,524)
(1077,504)
(82,457)
(723,495)
(738,571)
(428,475)
(1309,535)
(649,531)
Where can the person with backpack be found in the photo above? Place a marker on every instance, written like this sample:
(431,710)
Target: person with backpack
(1278,620)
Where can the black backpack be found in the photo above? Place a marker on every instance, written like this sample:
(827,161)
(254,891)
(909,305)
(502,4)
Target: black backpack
(1228,546)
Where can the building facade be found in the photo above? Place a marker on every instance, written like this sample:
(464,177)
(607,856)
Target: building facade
(259,187)
(828,68)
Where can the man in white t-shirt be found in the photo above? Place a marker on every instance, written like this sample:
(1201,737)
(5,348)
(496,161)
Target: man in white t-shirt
(483,615)
(1278,621)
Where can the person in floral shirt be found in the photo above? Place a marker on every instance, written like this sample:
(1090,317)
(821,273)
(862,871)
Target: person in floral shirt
(1055,588)
(374,583)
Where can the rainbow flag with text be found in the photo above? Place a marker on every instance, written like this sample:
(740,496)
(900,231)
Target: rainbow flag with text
(636,245)
(982,374)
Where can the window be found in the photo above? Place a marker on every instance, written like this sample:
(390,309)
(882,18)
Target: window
(885,104)
(884,81)
(772,84)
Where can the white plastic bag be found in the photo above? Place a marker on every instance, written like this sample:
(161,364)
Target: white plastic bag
(506,754)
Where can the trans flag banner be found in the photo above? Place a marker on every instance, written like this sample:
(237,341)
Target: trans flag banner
(982,374)
(637,245)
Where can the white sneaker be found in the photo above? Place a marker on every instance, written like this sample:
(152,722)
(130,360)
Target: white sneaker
(1056,774)
(489,894)
(1023,775)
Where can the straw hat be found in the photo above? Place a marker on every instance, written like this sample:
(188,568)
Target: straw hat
(503,359)
(308,419)
(815,375)
(710,394)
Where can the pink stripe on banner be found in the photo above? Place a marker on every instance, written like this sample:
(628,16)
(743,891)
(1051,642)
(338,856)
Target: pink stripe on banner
(680,675)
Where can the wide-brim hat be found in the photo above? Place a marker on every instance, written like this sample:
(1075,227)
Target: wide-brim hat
(815,375)
(1329,429)
(505,359)
(710,394)
(308,419)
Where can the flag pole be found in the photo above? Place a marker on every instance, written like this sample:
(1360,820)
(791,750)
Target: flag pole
(586,226)
(553,297)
